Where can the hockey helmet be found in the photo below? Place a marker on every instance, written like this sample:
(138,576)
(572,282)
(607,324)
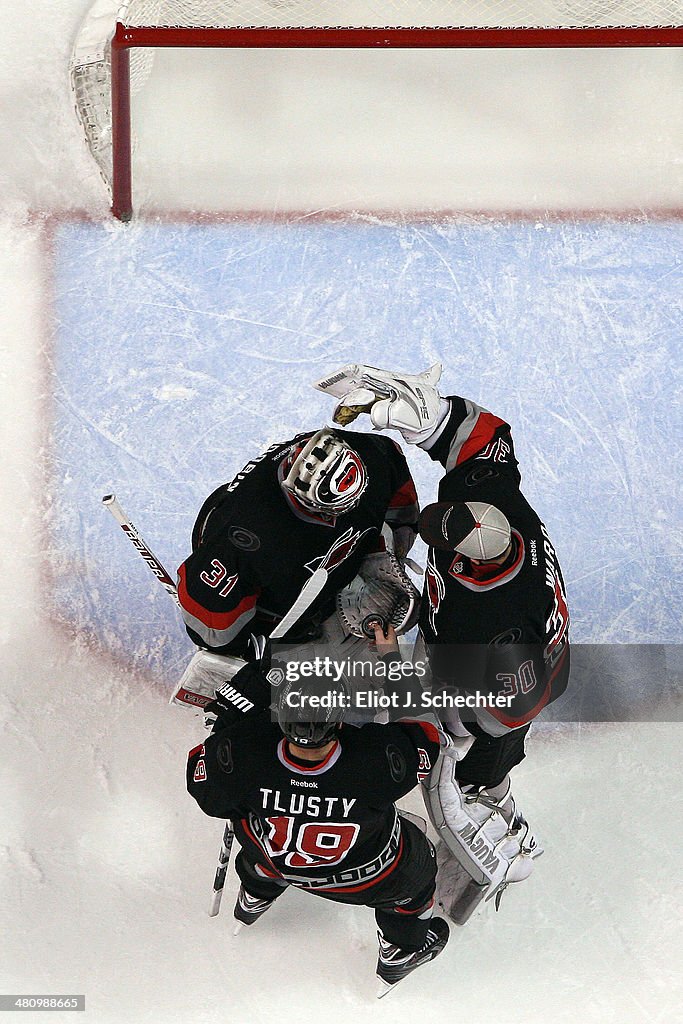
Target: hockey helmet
(303,725)
(327,476)
(475,529)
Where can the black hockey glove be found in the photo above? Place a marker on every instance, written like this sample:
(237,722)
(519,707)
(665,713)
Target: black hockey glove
(248,691)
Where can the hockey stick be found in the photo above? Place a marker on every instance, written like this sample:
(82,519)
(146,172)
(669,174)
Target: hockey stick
(222,869)
(110,502)
(310,590)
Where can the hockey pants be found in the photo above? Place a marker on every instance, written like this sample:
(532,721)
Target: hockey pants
(402,901)
(490,758)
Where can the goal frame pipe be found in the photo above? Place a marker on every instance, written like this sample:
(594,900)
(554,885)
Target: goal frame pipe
(126,37)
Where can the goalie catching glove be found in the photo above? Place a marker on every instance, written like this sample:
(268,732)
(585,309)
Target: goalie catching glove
(381,591)
(409,403)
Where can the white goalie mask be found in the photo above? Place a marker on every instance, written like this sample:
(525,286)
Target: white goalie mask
(327,476)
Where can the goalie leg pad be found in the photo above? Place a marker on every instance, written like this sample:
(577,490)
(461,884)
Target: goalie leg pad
(457,893)
(481,828)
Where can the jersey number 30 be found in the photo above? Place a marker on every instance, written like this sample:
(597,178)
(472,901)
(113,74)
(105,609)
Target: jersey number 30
(314,844)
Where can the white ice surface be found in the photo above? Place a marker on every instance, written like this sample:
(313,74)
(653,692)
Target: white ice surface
(105,863)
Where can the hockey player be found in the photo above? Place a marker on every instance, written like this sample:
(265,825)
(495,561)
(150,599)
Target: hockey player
(312,805)
(315,501)
(494,616)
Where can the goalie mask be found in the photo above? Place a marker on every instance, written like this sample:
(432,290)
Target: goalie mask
(327,476)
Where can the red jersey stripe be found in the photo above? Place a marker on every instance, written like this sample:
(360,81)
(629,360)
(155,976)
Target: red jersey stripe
(405,495)
(373,881)
(481,434)
(430,731)
(214,620)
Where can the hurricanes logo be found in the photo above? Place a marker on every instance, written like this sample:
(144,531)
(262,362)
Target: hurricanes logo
(435,592)
(339,552)
(347,479)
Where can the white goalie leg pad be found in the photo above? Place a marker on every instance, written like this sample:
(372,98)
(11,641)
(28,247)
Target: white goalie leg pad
(202,677)
(482,828)
(457,893)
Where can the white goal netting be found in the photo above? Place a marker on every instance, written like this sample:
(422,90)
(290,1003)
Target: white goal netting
(91,64)
(401,13)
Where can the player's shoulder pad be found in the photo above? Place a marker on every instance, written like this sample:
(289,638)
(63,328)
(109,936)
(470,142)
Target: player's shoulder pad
(399,750)
(238,741)
(386,444)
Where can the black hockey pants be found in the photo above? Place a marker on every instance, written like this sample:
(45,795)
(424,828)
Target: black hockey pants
(402,900)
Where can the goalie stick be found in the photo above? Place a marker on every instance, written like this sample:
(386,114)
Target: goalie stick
(111,503)
(310,590)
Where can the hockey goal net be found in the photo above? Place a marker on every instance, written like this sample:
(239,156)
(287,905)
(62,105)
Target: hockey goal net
(114,50)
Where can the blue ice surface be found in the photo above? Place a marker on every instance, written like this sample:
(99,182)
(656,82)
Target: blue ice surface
(183,350)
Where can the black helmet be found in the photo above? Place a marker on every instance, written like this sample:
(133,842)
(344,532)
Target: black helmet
(303,725)
(310,734)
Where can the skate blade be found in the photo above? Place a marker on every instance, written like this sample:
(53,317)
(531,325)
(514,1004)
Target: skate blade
(239,926)
(383,989)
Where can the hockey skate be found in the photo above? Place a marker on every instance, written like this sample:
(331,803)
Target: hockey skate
(394,964)
(248,909)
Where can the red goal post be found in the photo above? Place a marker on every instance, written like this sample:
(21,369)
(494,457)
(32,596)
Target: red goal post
(113,53)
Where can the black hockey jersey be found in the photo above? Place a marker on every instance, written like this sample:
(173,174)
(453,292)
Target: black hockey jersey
(508,634)
(330,826)
(254,546)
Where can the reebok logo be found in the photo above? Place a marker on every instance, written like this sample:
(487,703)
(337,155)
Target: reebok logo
(303,782)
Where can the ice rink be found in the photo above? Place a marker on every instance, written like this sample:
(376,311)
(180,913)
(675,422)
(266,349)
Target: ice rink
(516,216)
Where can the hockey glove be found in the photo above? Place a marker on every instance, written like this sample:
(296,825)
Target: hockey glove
(409,403)
(248,690)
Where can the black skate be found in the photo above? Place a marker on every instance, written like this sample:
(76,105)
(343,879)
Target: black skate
(394,964)
(248,908)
